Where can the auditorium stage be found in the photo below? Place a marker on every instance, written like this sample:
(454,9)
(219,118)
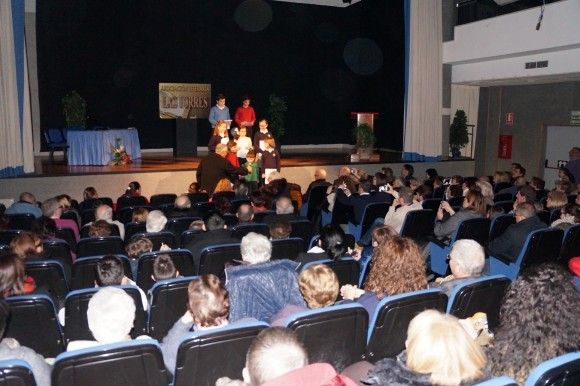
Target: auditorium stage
(160,172)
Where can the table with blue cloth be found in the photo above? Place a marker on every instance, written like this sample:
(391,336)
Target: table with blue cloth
(93,147)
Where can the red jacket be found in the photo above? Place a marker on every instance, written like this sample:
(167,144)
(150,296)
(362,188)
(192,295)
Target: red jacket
(245,115)
(233,158)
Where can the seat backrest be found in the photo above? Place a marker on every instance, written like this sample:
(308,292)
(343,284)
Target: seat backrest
(507,205)
(240,230)
(483,294)
(58,250)
(324,332)
(157,200)
(238,202)
(214,258)
(198,197)
(388,326)
(200,351)
(346,268)
(34,324)
(76,304)
(500,224)
(15,372)
(302,229)
(501,186)
(179,225)
(189,236)
(315,199)
(20,221)
(49,276)
(204,209)
(125,214)
(372,212)
(570,244)
(418,224)
(87,216)
(131,363)
(544,215)
(67,235)
(560,371)
(157,238)
(94,246)
(431,203)
(84,272)
(126,201)
(555,215)
(259,216)
(230,219)
(168,303)
(6,235)
(498,381)
(475,229)
(503,197)
(287,248)
(132,228)
(182,259)
(542,246)
(84,232)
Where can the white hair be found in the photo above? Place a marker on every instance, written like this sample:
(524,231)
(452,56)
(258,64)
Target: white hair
(104,212)
(156,221)
(275,175)
(110,315)
(284,206)
(255,248)
(182,202)
(469,256)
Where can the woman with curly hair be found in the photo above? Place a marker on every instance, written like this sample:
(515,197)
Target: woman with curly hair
(397,267)
(538,321)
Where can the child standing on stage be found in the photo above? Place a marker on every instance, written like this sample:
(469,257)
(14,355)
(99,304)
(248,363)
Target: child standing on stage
(270,158)
(261,136)
(220,135)
(252,177)
(244,144)
(232,155)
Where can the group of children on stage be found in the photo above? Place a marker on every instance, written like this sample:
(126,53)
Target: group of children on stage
(260,154)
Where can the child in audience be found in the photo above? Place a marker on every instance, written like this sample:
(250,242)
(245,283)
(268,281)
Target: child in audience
(164,268)
(133,189)
(110,316)
(252,177)
(270,159)
(220,135)
(27,245)
(232,155)
(110,271)
(135,249)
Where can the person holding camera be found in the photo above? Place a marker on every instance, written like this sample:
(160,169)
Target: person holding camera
(448,219)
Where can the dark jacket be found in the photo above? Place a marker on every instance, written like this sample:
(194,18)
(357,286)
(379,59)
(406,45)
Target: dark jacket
(209,238)
(510,243)
(358,203)
(213,168)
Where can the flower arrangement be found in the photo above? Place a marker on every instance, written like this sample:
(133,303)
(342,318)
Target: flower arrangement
(120,156)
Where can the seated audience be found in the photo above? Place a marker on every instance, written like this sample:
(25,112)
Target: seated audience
(66,202)
(156,221)
(407,171)
(438,352)
(135,249)
(331,245)
(223,188)
(99,228)
(525,194)
(181,207)
(26,204)
(466,261)
(319,180)
(473,207)
(27,246)
(397,266)
(44,227)
(134,190)
(164,268)
(422,193)
(280,229)
(259,202)
(139,214)
(110,271)
(208,307)
(538,321)
(110,316)
(486,191)
(194,187)
(105,212)
(13,279)
(245,214)
(357,202)
(402,205)
(510,243)
(11,349)
(569,216)
(318,285)
(216,233)
(284,211)
(556,200)
(52,209)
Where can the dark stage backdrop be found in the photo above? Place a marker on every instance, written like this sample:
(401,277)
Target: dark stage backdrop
(325,61)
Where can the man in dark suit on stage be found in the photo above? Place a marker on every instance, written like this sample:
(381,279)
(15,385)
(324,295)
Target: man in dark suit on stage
(510,243)
(214,167)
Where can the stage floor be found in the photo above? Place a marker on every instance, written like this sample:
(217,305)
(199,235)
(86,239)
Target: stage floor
(165,162)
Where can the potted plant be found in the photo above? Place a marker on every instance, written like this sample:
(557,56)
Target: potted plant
(364,138)
(458,136)
(277,115)
(74,108)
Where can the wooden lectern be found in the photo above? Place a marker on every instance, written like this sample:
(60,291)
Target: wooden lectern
(364,117)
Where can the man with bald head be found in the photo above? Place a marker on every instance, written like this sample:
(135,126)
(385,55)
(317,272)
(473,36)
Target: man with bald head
(214,167)
(181,207)
(26,204)
(319,180)
(105,212)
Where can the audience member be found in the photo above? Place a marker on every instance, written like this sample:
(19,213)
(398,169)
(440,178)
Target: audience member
(574,164)
(44,227)
(110,271)
(134,249)
(517,170)
(26,204)
(110,316)
(402,205)
(164,268)
(407,171)
(556,200)
(10,348)
(466,261)
(569,216)
(105,212)
(509,244)
(52,209)
(216,233)
(331,245)
(357,202)
(245,214)
(284,211)
(538,321)
(473,207)
(319,180)
(486,191)
(139,215)
(27,246)
(318,285)
(438,352)
(134,190)
(280,229)
(259,202)
(397,266)
(156,221)
(13,280)
(99,228)
(181,207)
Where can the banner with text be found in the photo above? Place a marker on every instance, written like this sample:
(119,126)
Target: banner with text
(184,100)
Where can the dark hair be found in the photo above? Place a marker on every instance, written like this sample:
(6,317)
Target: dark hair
(99,228)
(568,174)
(4,316)
(163,267)
(280,229)
(220,96)
(109,271)
(520,168)
(528,192)
(423,191)
(409,168)
(381,179)
(432,173)
(133,187)
(223,205)
(258,199)
(214,222)
(11,275)
(538,321)
(470,182)
(366,184)
(333,241)
(89,193)
(44,227)
(539,183)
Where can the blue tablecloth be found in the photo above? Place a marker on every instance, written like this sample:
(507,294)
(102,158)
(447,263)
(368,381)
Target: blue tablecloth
(93,147)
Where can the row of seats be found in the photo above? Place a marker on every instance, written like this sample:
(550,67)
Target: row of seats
(324,331)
